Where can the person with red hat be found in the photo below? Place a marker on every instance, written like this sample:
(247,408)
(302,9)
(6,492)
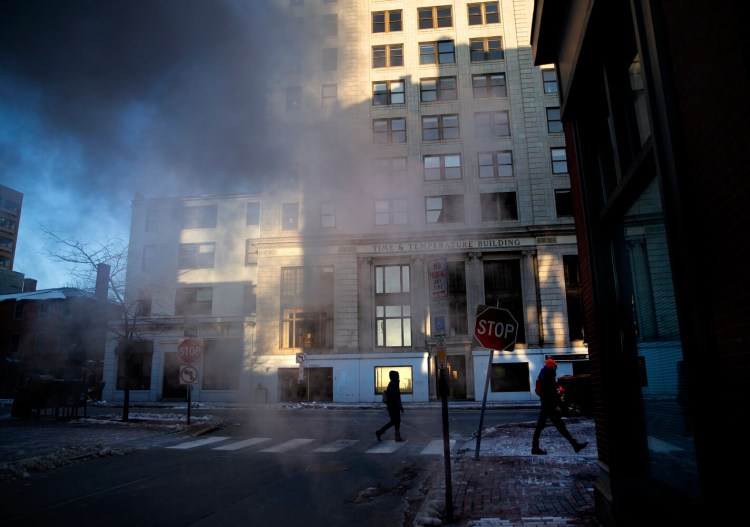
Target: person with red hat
(546,389)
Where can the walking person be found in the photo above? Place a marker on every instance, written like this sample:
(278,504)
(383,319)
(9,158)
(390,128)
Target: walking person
(546,389)
(394,406)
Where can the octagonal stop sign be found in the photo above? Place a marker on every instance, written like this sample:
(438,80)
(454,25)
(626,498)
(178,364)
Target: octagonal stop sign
(495,328)
(190,351)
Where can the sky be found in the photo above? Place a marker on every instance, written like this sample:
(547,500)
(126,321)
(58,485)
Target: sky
(104,99)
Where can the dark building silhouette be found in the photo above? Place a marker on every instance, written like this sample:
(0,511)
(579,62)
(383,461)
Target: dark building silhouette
(655,110)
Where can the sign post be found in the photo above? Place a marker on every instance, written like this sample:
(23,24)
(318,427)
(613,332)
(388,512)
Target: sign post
(495,328)
(189,352)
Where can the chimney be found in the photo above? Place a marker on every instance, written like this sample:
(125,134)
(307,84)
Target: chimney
(102,281)
(29,285)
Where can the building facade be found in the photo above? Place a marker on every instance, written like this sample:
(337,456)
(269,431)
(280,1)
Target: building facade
(658,160)
(11,202)
(416,137)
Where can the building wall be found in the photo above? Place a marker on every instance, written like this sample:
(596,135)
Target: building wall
(329,154)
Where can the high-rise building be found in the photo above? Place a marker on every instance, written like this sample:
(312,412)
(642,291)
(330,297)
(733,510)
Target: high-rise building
(424,175)
(10,217)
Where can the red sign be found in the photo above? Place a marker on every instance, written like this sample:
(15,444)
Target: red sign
(190,351)
(495,328)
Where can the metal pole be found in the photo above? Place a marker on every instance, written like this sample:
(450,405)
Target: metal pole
(484,404)
(446,446)
(190,391)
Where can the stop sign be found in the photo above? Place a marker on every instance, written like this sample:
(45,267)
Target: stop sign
(495,328)
(190,351)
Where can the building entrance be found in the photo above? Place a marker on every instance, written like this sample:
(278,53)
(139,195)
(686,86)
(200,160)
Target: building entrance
(316,385)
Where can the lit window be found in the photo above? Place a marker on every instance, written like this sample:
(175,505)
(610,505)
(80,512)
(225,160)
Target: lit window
(392,306)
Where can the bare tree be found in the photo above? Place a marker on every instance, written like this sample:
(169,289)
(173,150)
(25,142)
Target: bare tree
(84,261)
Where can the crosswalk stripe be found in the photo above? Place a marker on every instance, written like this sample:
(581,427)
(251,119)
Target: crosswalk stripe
(242,444)
(199,442)
(386,447)
(288,445)
(436,447)
(337,445)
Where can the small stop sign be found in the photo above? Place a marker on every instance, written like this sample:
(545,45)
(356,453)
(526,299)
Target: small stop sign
(190,351)
(495,328)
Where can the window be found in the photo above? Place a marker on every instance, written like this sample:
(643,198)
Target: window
(329,59)
(502,288)
(331,24)
(251,253)
(392,306)
(559,160)
(192,301)
(486,48)
(489,125)
(144,305)
(442,166)
(510,377)
(389,131)
(495,164)
(149,258)
(573,297)
(222,364)
(252,216)
(382,378)
(293,98)
(307,307)
(394,167)
(388,92)
(134,365)
(498,206)
(549,78)
(439,89)
(388,56)
(441,52)
(444,209)
(387,21)
(563,203)
(327,215)
(457,310)
(435,17)
(290,216)
(484,13)
(439,127)
(200,217)
(554,124)
(391,211)
(196,255)
(152,220)
(486,85)
(328,95)
(249,299)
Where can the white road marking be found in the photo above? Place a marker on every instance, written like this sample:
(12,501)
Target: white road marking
(243,444)
(386,447)
(199,442)
(288,445)
(337,445)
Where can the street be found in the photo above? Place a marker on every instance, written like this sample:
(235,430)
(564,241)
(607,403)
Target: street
(270,467)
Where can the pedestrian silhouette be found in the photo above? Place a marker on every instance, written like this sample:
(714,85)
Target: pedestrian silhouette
(546,389)
(394,406)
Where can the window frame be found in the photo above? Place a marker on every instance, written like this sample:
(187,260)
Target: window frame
(290,216)
(395,211)
(492,125)
(496,165)
(200,216)
(392,56)
(388,21)
(556,160)
(436,53)
(498,206)
(201,257)
(554,121)
(193,301)
(483,16)
(389,134)
(441,92)
(489,87)
(396,167)
(443,170)
(452,209)
(487,52)
(392,306)
(386,97)
(444,130)
(436,17)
